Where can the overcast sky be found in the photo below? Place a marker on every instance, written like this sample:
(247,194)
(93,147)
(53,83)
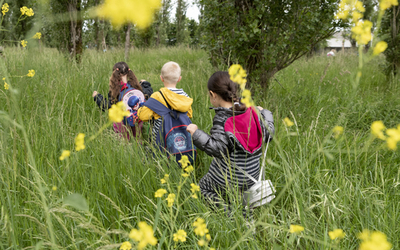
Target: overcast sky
(192,11)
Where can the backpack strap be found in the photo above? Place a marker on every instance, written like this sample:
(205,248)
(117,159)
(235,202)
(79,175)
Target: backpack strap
(156,106)
(169,106)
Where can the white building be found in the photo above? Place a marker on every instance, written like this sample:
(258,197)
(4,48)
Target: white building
(336,41)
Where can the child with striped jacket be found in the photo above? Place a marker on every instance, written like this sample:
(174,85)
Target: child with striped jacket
(235,144)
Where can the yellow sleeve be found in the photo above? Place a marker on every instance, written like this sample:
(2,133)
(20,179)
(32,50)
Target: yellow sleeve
(145,114)
(190,112)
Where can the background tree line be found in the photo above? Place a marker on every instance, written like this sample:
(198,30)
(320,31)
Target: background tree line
(264,36)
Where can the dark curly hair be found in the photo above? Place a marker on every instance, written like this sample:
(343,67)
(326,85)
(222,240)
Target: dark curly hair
(221,84)
(120,69)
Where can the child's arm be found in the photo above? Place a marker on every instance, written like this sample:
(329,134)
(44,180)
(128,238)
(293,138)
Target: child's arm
(102,102)
(216,144)
(267,124)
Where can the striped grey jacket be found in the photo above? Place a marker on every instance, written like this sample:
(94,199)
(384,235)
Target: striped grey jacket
(228,153)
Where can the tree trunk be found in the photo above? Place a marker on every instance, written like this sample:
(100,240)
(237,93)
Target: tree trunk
(127,41)
(75,46)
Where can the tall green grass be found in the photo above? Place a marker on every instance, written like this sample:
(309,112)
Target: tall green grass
(322,184)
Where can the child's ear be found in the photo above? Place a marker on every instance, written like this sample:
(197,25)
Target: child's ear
(180,78)
(212,94)
(162,79)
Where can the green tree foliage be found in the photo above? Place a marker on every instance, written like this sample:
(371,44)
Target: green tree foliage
(264,36)
(390,31)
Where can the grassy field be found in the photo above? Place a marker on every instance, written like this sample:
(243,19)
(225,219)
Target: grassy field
(351,183)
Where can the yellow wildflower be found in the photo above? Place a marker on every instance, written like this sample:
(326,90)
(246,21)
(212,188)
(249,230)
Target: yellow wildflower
(360,7)
(170,199)
(296,229)
(211,248)
(208,237)
(377,128)
(117,112)
(160,193)
(288,122)
(165,179)
(357,16)
(25,11)
(38,35)
(386,4)
(185,175)
(120,12)
(380,47)
(374,241)
(238,74)
(31,73)
(362,31)
(189,169)
(80,142)
(336,234)
(4,78)
(184,161)
(194,196)
(393,137)
(200,227)
(65,154)
(5,8)
(201,242)
(126,246)
(194,188)
(54,188)
(180,236)
(6,86)
(144,235)
(337,131)
(24,43)
(246,98)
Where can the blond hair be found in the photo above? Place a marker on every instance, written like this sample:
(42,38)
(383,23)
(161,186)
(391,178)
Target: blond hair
(171,72)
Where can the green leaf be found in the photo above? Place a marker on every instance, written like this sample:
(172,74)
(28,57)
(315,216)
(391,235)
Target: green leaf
(76,201)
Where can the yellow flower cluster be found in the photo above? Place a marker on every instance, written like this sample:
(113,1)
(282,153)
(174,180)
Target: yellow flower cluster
(392,134)
(296,229)
(117,112)
(246,98)
(185,164)
(126,246)
(6,86)
(25,11)
(38,35)
(238,74)
(170,199)
(362,32)
(374,241)
(160,193)
(24,43)
(200,227)
(337,131)
(5,8)
(120,12)
(386,4)
(80,142)
(65,154)
(165,179)
(180,236)
(288,122)
(31,73)
(336,234)
(350,7)
(144,235)
(379,48)
(194,189)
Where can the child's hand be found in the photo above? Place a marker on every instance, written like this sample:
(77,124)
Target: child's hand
(260,108)
(94,93)
(191,128)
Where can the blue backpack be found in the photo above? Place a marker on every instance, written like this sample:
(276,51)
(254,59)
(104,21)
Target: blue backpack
(132,98)
(172,135)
